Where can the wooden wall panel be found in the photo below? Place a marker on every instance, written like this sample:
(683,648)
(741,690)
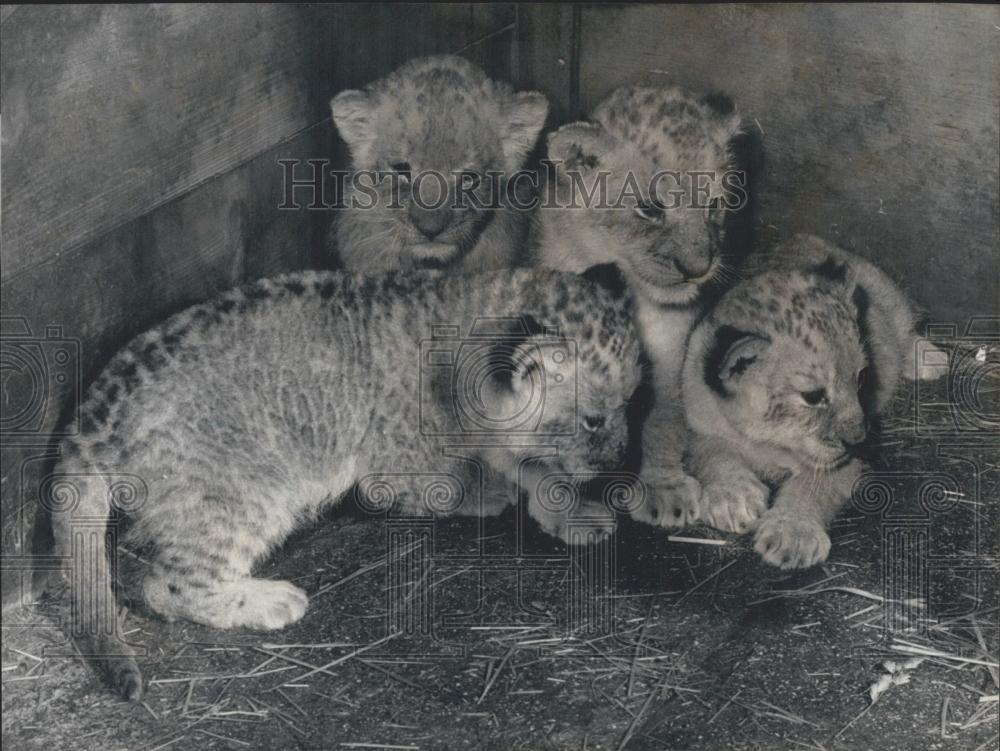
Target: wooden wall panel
(547,56)
(113,110)
(368,40)
(140,167)
(880,123)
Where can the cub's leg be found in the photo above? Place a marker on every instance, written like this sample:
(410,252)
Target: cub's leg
(733,498)
(207,544)
(792,534)
(451,490)
(81,504)
(673,497)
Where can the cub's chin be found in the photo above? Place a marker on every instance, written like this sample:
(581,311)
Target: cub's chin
(680,294)
(828,461)
(434,253)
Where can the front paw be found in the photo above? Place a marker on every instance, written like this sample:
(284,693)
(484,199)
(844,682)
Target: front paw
(671,501)
(734,505)
(787,543)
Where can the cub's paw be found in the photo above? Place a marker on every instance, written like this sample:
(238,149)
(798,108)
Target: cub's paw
(600,523)
(790,543)
(124,675)
(734,505)
(672,500)
(260,604)
(274,604)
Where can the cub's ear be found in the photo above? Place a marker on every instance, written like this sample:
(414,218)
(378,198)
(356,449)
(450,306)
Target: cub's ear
(524,117)
(719,103)
(580,146)
(724,110)
(836,275)
(353,113)
(831,270)
(732,354)
(609,276)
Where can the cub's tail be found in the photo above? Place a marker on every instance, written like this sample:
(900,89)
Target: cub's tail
(81,503)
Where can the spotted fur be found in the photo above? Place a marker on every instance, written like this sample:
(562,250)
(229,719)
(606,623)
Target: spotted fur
(669,257)
(242,418)
(780,382)
(441,114)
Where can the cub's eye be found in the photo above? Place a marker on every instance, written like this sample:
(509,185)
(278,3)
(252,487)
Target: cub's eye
(814,398)
(593,422)
(401,168)
(649,211)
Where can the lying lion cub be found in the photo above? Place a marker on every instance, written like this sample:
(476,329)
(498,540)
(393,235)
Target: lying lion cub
(779,382)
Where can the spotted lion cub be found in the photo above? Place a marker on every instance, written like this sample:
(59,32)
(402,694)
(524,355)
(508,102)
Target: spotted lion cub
(780,381)
(421,125)
(244,417)
(639,157)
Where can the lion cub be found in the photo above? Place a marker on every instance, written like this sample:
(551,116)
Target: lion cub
(780,380)
(447,139)
(244,417)
(654,162)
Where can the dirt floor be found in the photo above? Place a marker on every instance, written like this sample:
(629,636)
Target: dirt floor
(687,643)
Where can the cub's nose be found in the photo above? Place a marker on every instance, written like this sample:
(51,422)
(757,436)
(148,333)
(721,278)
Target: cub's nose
(853,436)
(693,267)
(430,222)
(692,256)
